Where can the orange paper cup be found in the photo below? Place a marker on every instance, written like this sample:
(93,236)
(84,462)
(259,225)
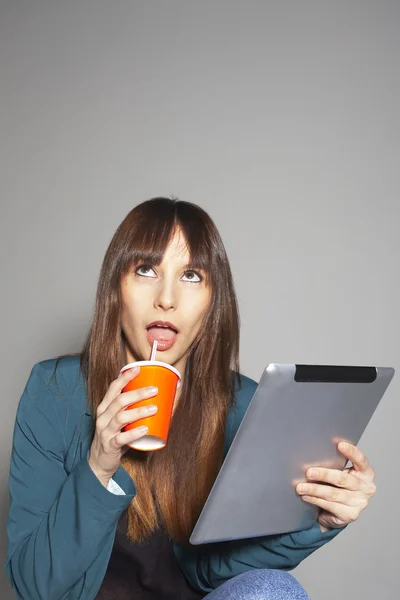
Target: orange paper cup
(166,379)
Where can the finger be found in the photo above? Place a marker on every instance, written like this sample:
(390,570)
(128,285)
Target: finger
(358,458)
(124,438)
(122,402)
(341,479)
(346,514)
(332,494)
(116,387)
(128,416)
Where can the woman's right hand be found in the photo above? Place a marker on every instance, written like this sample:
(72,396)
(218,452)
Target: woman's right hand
(109,442)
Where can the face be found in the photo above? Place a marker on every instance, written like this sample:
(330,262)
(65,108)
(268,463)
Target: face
(166,302)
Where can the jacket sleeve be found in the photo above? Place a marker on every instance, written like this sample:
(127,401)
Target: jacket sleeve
(61,526)
(209,566)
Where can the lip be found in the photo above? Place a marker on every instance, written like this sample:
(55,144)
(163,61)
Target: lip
(163,345)
(164,324)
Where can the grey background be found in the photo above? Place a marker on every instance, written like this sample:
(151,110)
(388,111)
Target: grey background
(281,119)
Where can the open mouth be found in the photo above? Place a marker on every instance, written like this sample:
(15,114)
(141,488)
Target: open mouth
(164,332)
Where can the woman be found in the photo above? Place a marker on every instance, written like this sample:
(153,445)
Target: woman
(90,518)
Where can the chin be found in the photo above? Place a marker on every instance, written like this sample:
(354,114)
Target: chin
(169,358)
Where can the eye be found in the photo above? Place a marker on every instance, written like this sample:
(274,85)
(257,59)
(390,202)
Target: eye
(145,271)
(193,276)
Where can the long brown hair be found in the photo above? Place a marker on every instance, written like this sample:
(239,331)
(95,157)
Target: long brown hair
(172,484)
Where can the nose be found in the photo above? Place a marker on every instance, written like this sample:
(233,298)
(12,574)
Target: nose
(166,295)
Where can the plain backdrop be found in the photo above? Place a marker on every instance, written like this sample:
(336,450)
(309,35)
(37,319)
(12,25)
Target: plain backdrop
(279,118)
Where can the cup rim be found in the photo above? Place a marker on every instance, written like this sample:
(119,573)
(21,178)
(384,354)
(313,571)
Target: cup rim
(152,363)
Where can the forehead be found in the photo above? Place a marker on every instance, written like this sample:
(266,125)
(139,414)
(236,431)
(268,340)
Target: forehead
(176,249)
(163,247)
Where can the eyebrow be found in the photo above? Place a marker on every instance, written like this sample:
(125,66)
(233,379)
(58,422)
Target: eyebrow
(189,266)
(196,267)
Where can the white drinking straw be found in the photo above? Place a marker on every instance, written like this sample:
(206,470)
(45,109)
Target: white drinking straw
(154,350)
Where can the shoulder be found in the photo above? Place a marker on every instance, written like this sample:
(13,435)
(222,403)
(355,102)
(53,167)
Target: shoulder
(244,391)
(247,386)
(60,374)
(55,377)
(55,390)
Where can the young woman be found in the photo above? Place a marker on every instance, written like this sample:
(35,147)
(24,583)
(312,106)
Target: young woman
(90,518)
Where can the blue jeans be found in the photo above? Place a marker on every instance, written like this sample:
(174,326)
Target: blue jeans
(260,584)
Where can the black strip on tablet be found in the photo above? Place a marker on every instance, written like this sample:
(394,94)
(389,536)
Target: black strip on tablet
(334,374)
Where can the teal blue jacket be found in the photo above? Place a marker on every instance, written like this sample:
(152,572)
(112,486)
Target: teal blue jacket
(62,520)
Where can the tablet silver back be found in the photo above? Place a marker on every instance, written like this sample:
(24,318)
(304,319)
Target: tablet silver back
(295,419)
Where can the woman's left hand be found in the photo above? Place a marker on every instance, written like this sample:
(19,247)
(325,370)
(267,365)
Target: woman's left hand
(341,495)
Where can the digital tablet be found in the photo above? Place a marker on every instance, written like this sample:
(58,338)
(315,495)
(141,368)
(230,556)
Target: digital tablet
(294,421)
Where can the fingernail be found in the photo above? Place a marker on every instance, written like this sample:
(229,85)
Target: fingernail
(142,430)
(133,371)
(152,409)
(313,473)
(153,390)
